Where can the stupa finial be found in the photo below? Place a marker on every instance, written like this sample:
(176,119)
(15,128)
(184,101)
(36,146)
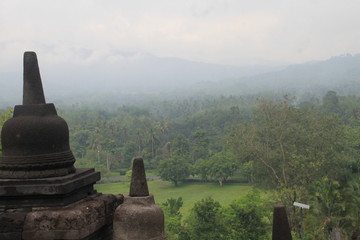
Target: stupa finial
(33,92)
(138,186)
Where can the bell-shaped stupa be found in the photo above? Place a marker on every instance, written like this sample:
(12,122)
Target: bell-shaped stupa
(35,142)
(42,195)
(36,165)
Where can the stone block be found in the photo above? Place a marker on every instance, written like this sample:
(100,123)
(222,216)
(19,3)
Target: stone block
(47,192)
(90,218)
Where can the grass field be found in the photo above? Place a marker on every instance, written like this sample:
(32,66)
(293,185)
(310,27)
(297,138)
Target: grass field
(190,192)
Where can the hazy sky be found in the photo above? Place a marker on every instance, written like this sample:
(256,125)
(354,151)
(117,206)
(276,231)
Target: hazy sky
(236,32)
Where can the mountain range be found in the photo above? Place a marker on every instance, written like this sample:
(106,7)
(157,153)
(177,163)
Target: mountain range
(137,74)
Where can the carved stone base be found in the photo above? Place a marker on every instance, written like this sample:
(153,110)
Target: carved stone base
(90,218)
(47,192)
(139,218)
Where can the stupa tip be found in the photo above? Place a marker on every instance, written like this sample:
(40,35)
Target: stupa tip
(138,186)
(33,92)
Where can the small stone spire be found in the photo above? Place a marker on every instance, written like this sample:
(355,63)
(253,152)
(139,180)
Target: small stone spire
(33,90)
(281,228)
(138,217)
(138,186)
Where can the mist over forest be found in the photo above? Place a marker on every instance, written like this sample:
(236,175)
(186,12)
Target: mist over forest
(135,78)
(234,106)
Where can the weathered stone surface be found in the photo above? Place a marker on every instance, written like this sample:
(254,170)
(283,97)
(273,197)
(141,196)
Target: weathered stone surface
(139,218)
(336,234)
(33,92)
(281,229)
(35,142)
(47,192)
(42,195)
(11,223)
(356,235)
(85,219)
(138,186)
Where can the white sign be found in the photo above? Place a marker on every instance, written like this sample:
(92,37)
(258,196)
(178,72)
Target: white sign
(297,204)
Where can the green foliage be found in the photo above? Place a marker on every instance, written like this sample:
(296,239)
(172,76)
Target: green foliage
(202,169)
(220,167)
(193,128)
(128,175)
(173,206)
(189,192)
(91,161)
(335,207)
(180,146)
(331,102)
(291,148)
(80,141)
(174,169)
(280,145)
(129,152)
(206,221)
(247,218)
(5,115)
(199,144)
(173,227)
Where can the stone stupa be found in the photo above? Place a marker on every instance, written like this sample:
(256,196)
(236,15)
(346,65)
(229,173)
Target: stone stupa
(42,195)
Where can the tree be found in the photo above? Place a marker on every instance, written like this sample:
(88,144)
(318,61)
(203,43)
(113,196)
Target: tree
(173,226)
(206,221)
(80,142)
(331,102)
(291,148)
(202,169)
(246,216)
(152,138)
(162,128)
(200,145)
(221,166)
(174,169)
(180,146)
(334,207)
(129,152)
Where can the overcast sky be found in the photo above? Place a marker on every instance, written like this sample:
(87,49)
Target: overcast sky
(236,32)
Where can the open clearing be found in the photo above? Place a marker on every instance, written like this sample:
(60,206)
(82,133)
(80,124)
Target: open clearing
(190,192)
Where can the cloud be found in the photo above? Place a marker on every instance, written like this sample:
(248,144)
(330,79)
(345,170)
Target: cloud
(219,31)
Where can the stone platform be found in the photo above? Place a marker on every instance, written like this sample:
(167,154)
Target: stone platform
(90,219)
(47,192)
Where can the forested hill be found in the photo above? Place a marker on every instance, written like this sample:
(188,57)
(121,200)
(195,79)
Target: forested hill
(341,73)
(138,78)
(121,73)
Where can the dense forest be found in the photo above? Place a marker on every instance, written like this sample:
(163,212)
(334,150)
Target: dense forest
(305,151)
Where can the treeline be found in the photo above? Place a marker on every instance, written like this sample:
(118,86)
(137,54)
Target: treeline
(303,151)
(193,128)
(308,153)
(247,218)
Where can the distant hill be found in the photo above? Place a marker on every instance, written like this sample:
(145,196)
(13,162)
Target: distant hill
(124,73)
(127,77)
(341,74)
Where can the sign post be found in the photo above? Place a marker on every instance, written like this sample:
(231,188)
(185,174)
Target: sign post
(301,206)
